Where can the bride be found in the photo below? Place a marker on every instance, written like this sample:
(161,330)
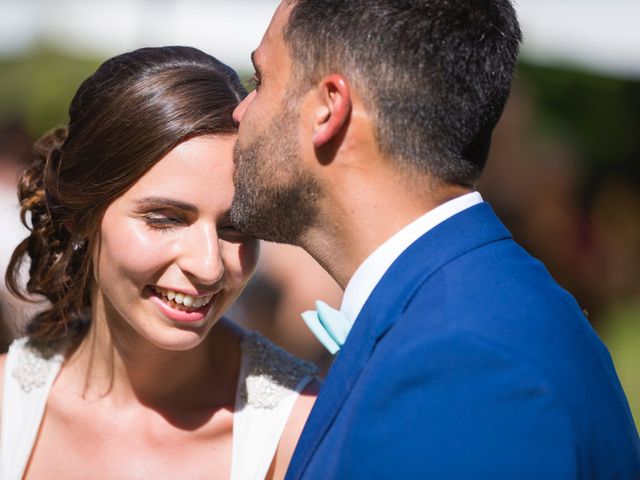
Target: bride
(132,372)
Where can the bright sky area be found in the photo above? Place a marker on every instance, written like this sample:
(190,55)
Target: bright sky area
(601,35)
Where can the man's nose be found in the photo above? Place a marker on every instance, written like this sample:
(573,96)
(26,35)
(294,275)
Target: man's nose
(238,113)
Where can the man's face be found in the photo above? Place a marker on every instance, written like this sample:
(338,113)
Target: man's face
(275,197)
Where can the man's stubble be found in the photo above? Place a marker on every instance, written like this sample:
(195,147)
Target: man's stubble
(275,199)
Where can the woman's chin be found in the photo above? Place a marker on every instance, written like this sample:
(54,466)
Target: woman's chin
(178,340)
(178,336)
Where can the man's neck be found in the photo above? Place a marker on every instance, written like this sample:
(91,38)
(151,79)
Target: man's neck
(364,216)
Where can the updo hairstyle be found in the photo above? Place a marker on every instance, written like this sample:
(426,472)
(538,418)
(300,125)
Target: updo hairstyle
(123,119)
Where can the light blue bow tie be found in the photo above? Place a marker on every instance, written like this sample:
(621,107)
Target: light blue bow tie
(330,326)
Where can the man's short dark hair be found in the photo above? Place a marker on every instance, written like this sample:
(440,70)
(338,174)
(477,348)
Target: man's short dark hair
(437,73)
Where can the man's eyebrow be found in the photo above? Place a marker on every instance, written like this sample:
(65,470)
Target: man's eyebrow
(255,62)
(156,202)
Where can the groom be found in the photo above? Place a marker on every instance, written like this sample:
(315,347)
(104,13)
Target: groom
(362,143)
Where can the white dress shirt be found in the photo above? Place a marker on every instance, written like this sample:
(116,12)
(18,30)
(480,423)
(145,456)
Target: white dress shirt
(370,272)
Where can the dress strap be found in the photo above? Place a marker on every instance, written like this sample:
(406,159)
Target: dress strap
(269,384)
(29,373)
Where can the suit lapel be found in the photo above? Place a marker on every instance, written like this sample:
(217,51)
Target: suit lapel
(463,232)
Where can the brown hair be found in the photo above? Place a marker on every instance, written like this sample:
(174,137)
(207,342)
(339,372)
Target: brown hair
(437,83)
(123,119)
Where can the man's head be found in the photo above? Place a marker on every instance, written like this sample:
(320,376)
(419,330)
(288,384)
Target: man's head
(434,77)
(275,196)
(436,73)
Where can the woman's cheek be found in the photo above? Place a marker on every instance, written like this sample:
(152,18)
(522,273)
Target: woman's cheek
(135,247)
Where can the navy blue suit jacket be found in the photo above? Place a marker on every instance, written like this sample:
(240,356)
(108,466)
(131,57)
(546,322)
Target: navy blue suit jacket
(469,361)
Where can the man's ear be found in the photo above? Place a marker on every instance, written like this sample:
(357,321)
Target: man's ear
(333,110)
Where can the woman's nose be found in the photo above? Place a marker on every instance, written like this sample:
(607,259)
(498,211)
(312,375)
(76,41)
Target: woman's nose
(201,255)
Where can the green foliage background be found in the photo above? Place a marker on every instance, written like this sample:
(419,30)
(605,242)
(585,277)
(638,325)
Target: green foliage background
(37,88)
(599,115)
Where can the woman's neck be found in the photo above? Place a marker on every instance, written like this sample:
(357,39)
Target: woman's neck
(114,361)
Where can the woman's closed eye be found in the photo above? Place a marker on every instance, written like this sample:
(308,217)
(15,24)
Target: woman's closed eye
(165,222)
(162,221)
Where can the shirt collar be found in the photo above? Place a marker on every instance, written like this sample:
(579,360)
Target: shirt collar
(369,273)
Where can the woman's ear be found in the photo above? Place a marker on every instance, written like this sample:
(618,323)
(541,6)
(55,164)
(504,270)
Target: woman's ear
(70,225)
(333,109)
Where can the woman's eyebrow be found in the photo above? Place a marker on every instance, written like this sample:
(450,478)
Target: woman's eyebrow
(155,202)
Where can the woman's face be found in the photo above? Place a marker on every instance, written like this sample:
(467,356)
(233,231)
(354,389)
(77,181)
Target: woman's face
(169,262)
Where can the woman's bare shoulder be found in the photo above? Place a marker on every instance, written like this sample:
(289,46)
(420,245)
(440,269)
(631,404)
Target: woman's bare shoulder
(293,429)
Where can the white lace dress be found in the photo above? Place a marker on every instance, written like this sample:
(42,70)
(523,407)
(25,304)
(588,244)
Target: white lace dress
(270,382)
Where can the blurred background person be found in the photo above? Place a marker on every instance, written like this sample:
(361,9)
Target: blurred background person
(288,281)
(15,146)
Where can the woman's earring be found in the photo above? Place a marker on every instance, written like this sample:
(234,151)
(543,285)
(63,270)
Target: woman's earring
(77,245)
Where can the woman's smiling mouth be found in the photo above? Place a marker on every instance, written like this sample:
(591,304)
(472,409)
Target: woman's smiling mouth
(181,307)
(178,299)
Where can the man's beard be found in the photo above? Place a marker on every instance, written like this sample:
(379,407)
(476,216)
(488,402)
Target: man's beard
(274,198)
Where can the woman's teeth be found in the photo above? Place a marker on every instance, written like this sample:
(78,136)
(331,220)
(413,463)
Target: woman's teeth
(182,301)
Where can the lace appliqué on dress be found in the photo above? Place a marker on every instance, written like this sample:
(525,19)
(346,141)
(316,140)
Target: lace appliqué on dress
(33,366)
(272,373)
